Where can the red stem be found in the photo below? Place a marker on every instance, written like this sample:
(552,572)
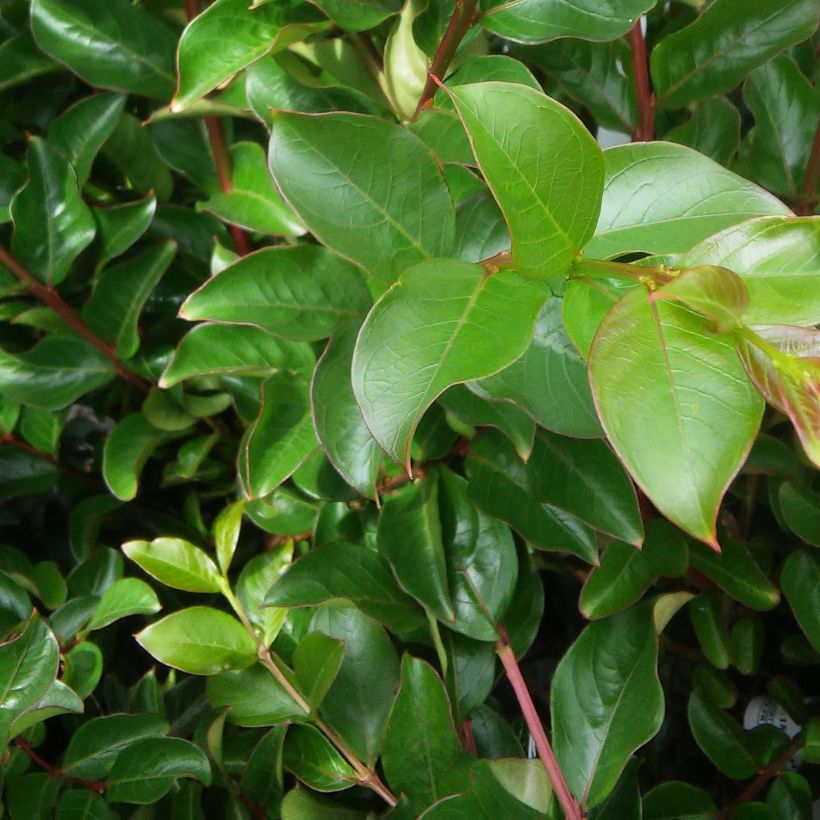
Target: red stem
(811,178)
(463,19)
(96,785)
(12,441)
(49,297)
(646,99)
(522,694)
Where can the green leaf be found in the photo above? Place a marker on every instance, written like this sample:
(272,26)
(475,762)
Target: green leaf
(801,510)
(358,702)
(24,473)
(52,224)
(256,578)
(21,61)
(83,803)
(735,571)
(481,231)
(482,566)
(344,572)
(786,109)
(28,668)
(790,796)
(252,202)
(300,292)
(316,662)
(746,640)
(253,34)
(199,640)
(120,294)
(83,668)
(213,349)
(720,738)
(128,596)
(778,258)
(506,488)
(410,537)
(54,373)
(130,445)
(146,770)
(549,381)
(358,15)
(674,800)
(95,744)
(536,21)
(280,438)
(436,327)
(713,129)
(120,226)
(48,583)
(800,580)
(706,614)
(405,64)
(225,529)
(384,218)
(58,700)
(625,573)
(108,44)
(337,417)
(311,757)
(176,563)
(422,756)
(704,411)
(253,697)
(665,198)
(713,54)
(42,428)
(550,207)
(265,760)
(79,132)
(606,701)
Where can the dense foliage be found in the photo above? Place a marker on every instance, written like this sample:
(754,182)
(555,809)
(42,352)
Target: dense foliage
(344,367)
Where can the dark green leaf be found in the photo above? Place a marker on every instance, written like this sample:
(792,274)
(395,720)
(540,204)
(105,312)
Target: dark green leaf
(800,579)
(801,510)
(678,801)
(312,758)
(130,445)
(713,129)
(316,662)
(120,226)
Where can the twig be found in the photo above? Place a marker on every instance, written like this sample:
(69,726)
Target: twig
(49,297)
(808,199)
(13,441)
(522,694)
(53,771)
(463,19)
(764,776)
(646,99)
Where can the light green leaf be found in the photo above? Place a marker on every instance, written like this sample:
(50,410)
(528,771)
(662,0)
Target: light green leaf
(550,207)
(665,198)
(440,325)
(54,373)
(130,444)
(300,292)
(120,226)
(108,43)
(778,258)
(52,224)
(280,438)
(606,701)
(226,533)
(383,218)
(120,293)
(713,54)
(252,203)
(256,578)
(705,412)
(128,596)
(199,640)
(316,662)
(253,34)
(405,64)
(176,563)
(357,15)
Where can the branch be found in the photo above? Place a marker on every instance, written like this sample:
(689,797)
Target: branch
(96,785)
(646,99)
(764,776)
(463,19)
(522,694)
(50,298)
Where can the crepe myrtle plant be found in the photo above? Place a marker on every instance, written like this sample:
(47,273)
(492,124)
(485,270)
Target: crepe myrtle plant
(409,410)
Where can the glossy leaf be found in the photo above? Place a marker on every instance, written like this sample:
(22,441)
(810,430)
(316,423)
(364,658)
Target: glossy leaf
(120,294)
(359,15)
(801,509)
(705,412)
(302,292)
(130,445)
(255,580)
(128,596)
(712,54)
(316,662)
(665,198)
(253,34)
(108,44)
(226,533)
(799,580)
(606,701)
(706,615)
(280,439)
(448,315)
(549,381)
(383,221)
(252,203)
(200,641)
(120,226)
(176,563)
(671,799)
(344,572)
(49,200)
(550,208)
(311,757)
(21,61)
(713,129)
